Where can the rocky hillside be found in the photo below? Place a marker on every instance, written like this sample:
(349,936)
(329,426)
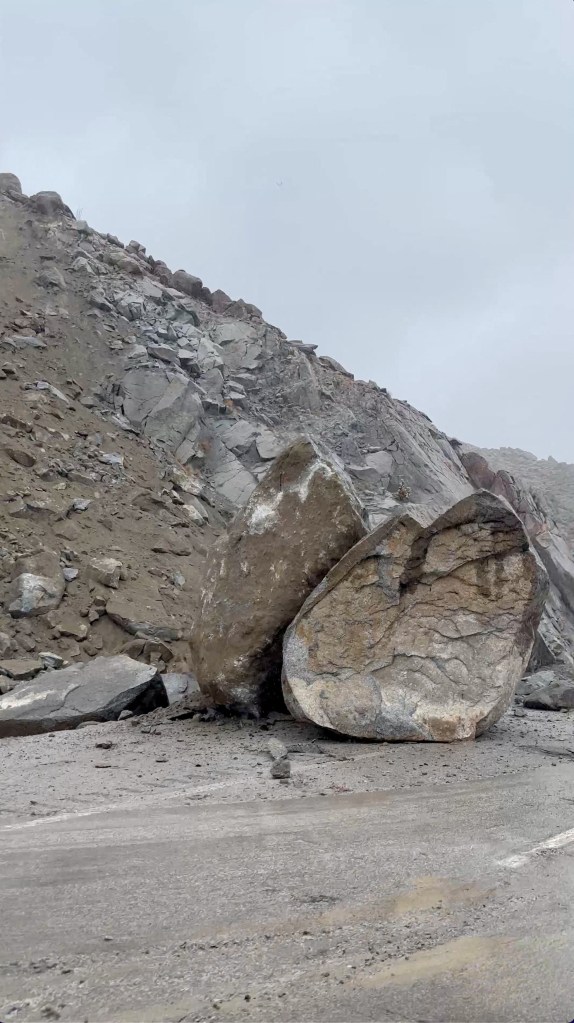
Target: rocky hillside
(545,476)
(139,410)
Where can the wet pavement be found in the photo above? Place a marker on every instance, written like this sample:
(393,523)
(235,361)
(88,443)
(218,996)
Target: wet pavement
(439,902)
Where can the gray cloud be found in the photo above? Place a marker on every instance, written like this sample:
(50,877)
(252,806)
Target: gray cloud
(392,181)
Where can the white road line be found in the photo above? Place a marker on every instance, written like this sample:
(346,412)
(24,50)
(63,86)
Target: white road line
(151,798)
(556,842)
(147,800)
(57,817)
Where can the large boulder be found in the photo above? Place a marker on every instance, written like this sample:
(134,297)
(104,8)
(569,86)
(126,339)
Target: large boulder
(296,525)
(97,691)
(423,629)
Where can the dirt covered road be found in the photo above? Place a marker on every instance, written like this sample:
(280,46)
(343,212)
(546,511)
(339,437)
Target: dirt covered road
(168,877)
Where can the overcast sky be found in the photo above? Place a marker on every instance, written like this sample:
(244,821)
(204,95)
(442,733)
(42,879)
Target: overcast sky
(390,179)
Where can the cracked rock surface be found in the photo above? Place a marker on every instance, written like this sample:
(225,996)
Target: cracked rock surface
(422,630)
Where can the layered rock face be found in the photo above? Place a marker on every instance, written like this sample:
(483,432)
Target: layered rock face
(423,629)
(555,641)
(296,525)
(547,476)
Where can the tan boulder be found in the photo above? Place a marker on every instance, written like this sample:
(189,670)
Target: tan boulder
(298,522)
(423,629)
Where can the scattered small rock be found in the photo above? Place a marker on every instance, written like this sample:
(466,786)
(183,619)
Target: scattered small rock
(5,644)
(80,504)
(112,458)
(281,768)
(105,571)
(50,660)
(21,669)
(178,579)
(19,455)
(277,749)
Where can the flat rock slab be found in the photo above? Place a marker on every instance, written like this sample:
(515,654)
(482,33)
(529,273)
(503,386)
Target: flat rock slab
(21,668)
(96,691)
(143,616)
(423,629)
(301,518)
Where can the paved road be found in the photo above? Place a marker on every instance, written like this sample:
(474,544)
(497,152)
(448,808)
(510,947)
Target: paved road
(439,904)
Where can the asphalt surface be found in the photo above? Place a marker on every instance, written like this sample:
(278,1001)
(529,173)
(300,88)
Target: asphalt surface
(432,903)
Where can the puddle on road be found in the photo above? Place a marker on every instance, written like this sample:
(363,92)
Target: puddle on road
(434,962)
(426,895)
(436,893)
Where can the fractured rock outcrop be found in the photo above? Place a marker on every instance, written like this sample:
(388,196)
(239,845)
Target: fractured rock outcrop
(423,629)
(296,525)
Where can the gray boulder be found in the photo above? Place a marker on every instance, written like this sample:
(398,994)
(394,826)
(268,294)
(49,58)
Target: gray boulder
(296,525)
(268,444)
(546,690)
(37,585)
(51,277)
(50,204)
(98,299)
(10,183)
(220,301)
(187,283)
(423,629)
(97,691)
